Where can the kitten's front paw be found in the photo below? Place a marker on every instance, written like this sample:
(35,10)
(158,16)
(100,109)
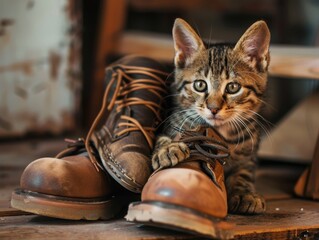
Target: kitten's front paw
(247,203)
(170,155)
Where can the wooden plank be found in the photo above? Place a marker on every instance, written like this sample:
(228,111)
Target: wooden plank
(294,137)
(37,227)
(284,219)
(156,46)
(294,62)
(276,182)
(297,62)
(9,211)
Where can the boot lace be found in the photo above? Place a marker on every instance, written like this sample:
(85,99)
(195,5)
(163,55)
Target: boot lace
(203,148)
(209,149)
(124,85)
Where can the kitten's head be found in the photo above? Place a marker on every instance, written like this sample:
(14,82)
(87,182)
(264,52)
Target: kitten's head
(222,82)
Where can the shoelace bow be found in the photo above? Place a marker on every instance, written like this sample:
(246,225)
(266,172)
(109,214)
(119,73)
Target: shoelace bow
(125,84)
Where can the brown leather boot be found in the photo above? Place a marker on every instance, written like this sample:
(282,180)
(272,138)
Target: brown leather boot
(74,184)
(68,187)
(191,196)
(125,138)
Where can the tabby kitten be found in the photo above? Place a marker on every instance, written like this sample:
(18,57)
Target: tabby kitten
(220,87)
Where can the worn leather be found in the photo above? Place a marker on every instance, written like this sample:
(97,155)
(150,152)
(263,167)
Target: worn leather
(188,188)
(127,157)
(77,172)
(71,176)
(194,184)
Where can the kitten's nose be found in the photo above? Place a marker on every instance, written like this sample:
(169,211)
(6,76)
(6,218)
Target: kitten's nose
(214,111)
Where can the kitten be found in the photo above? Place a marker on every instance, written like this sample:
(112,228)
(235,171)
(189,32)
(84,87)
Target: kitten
(220,87)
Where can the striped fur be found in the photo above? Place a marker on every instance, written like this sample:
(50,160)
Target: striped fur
(237,119)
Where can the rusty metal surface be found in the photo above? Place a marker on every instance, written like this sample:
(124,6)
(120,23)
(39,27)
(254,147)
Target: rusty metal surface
(40,66)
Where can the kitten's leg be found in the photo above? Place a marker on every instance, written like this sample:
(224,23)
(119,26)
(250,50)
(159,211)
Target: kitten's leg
(240,185)
(167,153)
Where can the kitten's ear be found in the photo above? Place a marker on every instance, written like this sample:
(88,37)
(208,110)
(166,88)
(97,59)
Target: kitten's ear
(254,46)
(186,42)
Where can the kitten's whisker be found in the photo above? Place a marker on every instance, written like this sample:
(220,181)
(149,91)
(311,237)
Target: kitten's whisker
(251,77)
(267,104)
(241,130)
(239,117)
(231,68)
(252,73)
(263,127)
(258,123)
(270,124)
(185,120)
(264,119)
(177,113)
(195,121)
(197,29)
(232,125)
(173,115)
(210,35)
(169,75)
(171,95)
(248,119)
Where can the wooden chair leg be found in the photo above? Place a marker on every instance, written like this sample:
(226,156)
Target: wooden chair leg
(308,183)
(111,24)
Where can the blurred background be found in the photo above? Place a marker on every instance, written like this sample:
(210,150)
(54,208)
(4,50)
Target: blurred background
(53,53)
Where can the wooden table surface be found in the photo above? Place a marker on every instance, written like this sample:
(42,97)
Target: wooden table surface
(285,218)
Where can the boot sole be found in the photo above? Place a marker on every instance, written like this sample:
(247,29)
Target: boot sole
(178,218)
(66,208)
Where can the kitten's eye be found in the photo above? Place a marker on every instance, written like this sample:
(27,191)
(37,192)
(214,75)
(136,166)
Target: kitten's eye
(200,85)
(233,87)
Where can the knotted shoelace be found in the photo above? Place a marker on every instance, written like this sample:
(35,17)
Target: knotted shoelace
(203,148)
(209,147)
(209,150)
(124,85)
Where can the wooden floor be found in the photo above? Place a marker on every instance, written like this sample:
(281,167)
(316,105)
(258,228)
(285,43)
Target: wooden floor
(286,216)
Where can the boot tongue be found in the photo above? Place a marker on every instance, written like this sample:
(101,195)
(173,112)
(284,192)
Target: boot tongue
(144,115)
(214,171)
(140,112)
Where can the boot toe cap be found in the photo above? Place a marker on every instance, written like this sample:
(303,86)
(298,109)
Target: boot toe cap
(68,177)
(188,188)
